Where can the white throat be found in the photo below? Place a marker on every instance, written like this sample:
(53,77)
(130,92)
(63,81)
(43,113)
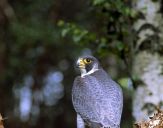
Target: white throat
(84,72)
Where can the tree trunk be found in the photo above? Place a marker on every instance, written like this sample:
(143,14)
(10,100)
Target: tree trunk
(148,62)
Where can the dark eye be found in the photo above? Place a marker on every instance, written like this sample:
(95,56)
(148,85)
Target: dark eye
(88,60)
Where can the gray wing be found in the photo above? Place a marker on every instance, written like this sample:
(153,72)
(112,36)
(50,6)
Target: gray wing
(83,100)
(96,100)
(113,93)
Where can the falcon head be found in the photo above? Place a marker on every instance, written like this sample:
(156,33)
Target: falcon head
(87,65)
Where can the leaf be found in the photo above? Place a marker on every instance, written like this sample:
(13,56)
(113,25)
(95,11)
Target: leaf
(126,83)
(61,23)
(65,31)
(120,46)
(99,2)
(79,34)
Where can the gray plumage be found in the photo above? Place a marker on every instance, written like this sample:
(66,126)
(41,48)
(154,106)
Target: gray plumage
(97,99)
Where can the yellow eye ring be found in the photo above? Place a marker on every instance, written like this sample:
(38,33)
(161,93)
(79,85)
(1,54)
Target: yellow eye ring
(87,61)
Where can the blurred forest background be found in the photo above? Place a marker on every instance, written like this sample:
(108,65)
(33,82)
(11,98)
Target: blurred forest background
(41,39)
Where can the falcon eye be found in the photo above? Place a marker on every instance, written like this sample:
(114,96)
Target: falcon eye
(87,60)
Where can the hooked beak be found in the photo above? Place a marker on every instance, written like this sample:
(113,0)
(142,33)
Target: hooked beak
(80,63)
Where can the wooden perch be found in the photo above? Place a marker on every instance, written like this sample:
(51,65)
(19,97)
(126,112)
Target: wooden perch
(1,121)
(155,122)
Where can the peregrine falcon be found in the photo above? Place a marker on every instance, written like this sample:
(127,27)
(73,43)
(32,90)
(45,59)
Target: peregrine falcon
(96,98)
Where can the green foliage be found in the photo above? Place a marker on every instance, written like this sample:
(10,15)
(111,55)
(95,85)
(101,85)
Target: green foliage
(115,20)
(79,35)
(118,5)
(84,37)
(99,2)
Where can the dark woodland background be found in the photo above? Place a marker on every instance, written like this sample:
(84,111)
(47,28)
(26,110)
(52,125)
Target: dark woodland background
(40,41)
